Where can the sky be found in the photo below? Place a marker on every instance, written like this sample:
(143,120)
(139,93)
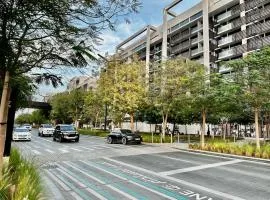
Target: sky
(149,13)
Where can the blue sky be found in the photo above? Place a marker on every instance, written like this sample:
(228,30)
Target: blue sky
(149,13)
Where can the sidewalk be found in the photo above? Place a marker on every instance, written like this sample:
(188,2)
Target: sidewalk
(172,145)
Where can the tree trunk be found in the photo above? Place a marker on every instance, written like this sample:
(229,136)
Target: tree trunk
(164,124)
(3,115)
(256,112)
(10,121)
(132,121)
(203,127)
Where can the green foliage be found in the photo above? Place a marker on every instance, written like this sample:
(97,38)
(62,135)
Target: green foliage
(247,149)
(67,107)
(22,176)
(36,117)
(93,132)
(24,119)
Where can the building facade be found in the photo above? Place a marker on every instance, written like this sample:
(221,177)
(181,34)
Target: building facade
(210,32)
(85,83)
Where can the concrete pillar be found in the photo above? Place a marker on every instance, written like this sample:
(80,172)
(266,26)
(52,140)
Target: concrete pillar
(206,45)
(147,61)
(164,36)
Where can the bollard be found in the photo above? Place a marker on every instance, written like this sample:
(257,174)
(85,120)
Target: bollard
(152,137)
(188,138)
(234,138)
(171,139)
(161,138)
(178,139)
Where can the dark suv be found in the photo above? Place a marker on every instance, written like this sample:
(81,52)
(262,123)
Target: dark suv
(64,132)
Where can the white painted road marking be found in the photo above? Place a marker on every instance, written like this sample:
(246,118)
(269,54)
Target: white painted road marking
(36,152)
(195,168)
(76,196)
(199,187)
(48,150)
(75,149)
(87,148)
(137,184)
(63,150)
(99,181)
(63,185)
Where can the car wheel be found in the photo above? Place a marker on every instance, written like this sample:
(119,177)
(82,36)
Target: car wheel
(38,133)
(109,140)
(124,141)
(42,134)
(60,139)
(77,140)
(54,138)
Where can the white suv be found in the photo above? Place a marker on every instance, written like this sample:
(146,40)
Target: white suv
(45,130)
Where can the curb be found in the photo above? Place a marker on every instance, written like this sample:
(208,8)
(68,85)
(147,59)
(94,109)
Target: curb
(226,155)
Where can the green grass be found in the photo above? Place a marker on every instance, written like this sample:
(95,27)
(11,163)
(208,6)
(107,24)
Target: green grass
(20,179)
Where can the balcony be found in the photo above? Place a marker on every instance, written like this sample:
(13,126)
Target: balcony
(185,54)
(180,47)
(258,43)
(234,51)
(250,4)
(236,37)
(180,36)
(196,51)
(224,28)
(257,14)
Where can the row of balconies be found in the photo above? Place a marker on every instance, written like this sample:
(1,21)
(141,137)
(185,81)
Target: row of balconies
(230,26)
(185,34)
(257,43)
(229,14)
(234,51)
(236,37)
(250,4)
(187,44)
(257,14)
(258,28)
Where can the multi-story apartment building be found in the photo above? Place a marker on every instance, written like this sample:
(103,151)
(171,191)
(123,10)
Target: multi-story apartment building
(82,82)
(210,32)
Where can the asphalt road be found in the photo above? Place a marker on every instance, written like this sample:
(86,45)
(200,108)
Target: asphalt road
(92,169)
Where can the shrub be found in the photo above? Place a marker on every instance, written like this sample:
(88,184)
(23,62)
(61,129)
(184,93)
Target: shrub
(20,179)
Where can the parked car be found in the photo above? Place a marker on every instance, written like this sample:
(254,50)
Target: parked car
(28,126)
(45,130)
(21,133)
(123,136)
(66,132)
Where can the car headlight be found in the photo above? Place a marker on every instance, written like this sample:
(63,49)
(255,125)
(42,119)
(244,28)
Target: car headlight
(129,137)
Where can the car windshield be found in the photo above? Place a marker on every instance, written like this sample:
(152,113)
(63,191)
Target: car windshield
(47,126)
(67,128)
(126,131)
(21,130)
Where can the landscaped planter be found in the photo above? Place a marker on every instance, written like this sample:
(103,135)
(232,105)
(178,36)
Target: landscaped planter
(241,150)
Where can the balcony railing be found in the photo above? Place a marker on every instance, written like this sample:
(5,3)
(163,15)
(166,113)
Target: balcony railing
(257,14)
(196,51)
(258,43)
(180,47)
(250,4)
(231,38)
(180,36)
(237,50)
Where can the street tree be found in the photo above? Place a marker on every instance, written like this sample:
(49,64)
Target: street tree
(252,73)
(173,83)
(50,34)
(93,106)
(129,88)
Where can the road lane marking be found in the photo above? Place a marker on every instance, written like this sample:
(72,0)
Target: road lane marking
(87,148)
(56,194)
(61,183)
(48,150)
(36,152)
(177,159)
(63,150)
(130,181)
(79,191)
(199,187)
(100,181)
(75,149)
(200,167)
(226,157)
(68,174)
(76,196)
